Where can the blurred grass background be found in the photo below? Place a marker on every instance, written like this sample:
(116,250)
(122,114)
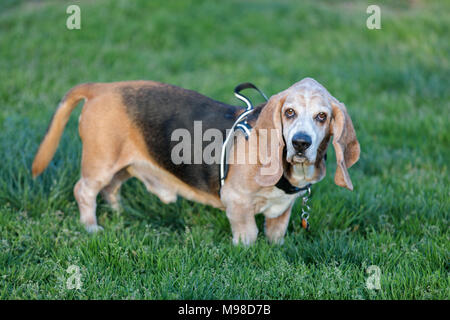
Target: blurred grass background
(394,82)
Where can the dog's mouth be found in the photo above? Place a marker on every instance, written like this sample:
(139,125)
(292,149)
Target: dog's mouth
(299,158)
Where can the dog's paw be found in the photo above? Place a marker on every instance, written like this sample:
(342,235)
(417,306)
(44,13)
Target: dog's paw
(275,236)
(116,207)
(246,239)
(93,228)
(276,240)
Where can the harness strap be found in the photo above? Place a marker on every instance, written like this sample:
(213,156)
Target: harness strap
(240,123)
(223,157)
(243,125)
(247,85)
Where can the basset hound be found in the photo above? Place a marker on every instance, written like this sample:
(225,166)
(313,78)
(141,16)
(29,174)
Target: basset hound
(127,131)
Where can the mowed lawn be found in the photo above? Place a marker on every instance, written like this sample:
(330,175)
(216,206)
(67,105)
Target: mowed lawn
(394,82)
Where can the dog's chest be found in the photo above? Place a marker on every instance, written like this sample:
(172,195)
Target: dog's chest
(275,201)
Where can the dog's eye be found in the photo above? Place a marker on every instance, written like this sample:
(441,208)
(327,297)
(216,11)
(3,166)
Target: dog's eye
(321,116)
(289,113)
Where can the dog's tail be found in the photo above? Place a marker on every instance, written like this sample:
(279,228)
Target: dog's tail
(56,127)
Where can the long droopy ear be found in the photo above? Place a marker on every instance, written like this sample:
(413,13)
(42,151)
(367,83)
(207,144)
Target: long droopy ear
(269,132)
(345,144)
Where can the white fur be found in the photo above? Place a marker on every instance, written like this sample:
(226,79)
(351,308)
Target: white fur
(312,101)
(277,201)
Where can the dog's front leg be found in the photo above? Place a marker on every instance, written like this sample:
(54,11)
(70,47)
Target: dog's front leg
(243,224)
(275,228)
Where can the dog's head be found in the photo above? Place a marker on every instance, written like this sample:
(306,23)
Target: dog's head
(302,119)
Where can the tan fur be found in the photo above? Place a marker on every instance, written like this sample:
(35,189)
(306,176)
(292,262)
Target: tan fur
(270,121)
(275,228)
(345,144)
(50,143)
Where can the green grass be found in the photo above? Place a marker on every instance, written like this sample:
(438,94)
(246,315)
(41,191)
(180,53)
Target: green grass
(394,81)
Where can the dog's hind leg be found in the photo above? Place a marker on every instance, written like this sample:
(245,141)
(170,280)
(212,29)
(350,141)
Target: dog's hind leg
(146,175)
(86,191)
(98,170)
(111,193)
(104,129)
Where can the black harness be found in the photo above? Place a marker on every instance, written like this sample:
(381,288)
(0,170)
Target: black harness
(243,125)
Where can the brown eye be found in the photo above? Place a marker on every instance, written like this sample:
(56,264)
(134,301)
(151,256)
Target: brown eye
(289,113)
(321,116)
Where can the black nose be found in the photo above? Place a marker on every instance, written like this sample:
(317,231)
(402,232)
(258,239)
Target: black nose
(301,141)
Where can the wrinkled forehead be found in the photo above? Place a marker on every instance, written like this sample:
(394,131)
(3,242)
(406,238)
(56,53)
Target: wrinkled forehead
(307,96)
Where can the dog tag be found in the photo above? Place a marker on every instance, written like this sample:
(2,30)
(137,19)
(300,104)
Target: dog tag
(305,224)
